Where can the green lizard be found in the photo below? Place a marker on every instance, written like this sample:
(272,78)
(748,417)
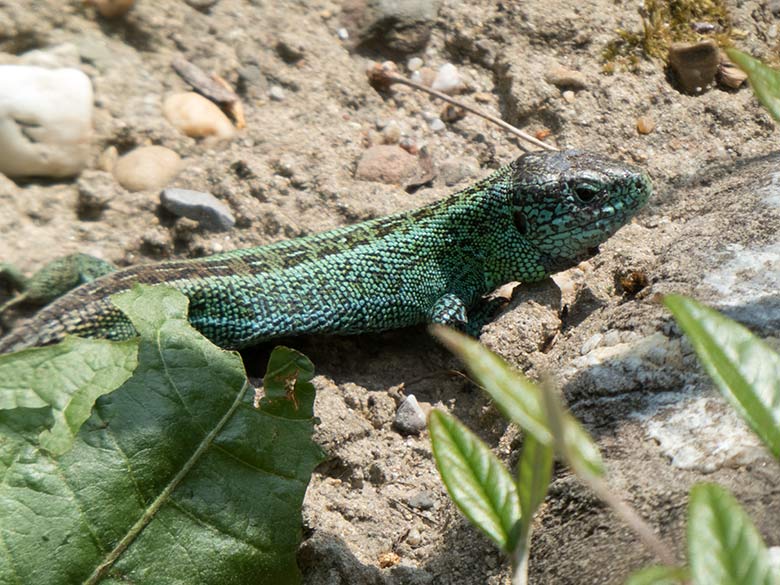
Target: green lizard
(542,213)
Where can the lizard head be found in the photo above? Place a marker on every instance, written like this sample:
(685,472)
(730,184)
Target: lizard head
(567,203)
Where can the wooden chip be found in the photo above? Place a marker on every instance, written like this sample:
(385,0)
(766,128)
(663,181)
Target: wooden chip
(233,109)
(202,83)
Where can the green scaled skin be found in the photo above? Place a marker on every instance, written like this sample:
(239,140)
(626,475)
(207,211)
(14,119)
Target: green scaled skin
(542,213)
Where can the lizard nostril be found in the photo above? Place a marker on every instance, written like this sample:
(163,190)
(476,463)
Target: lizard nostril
(521,223)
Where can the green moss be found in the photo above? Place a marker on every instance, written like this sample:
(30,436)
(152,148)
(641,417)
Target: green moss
(665,22)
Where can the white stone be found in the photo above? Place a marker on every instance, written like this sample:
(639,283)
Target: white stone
(414,64)
(45,121)
(447,79)
(63,55)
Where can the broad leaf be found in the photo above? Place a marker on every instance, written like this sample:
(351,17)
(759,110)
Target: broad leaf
(744,368)
(659,575)
(521,400)
(68,378)
(476,480)
(534,472)
(175,477)
(288,391)
(723,544)
(764,80)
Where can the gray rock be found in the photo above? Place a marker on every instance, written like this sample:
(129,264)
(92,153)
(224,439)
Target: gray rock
(409,418)
(421,501)
(401,26)
(204,208)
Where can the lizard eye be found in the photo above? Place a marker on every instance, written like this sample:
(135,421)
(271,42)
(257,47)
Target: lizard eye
(585,191)
(521,223)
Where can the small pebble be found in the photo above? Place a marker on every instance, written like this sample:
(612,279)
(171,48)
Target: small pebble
(112,8)
(437,125)
(147,167)
(729,75)
(421,501)
(414,538)
(108,159)
(569,96)
(342,34)
(276,93)
(414,64)
(56,108)
(565,78)
(204,208)
(391,133)
(409,418)
(197,117)
(386,164)
(645,125)
(447,80)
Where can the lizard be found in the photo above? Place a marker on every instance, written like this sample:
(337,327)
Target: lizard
(542,213)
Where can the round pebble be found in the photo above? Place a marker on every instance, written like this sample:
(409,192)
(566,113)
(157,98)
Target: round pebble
(645,125)
(386,164)
(56,107)
(343,34)
(276,93)
(414,64)
(437,125)
(414,537)
(112,8)
(197,117)
(447,79)
(147,167)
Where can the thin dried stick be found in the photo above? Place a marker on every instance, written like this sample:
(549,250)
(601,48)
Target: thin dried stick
(382,76)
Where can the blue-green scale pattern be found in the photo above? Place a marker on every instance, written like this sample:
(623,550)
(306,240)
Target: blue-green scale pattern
(542,213)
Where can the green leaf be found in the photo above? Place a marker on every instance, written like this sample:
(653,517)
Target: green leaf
(288,375)
(67,378)
(175,477)
(476,480)
(521,400)
(764,80)
(723,545)
(743,367)
(534,472)
(659,575)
